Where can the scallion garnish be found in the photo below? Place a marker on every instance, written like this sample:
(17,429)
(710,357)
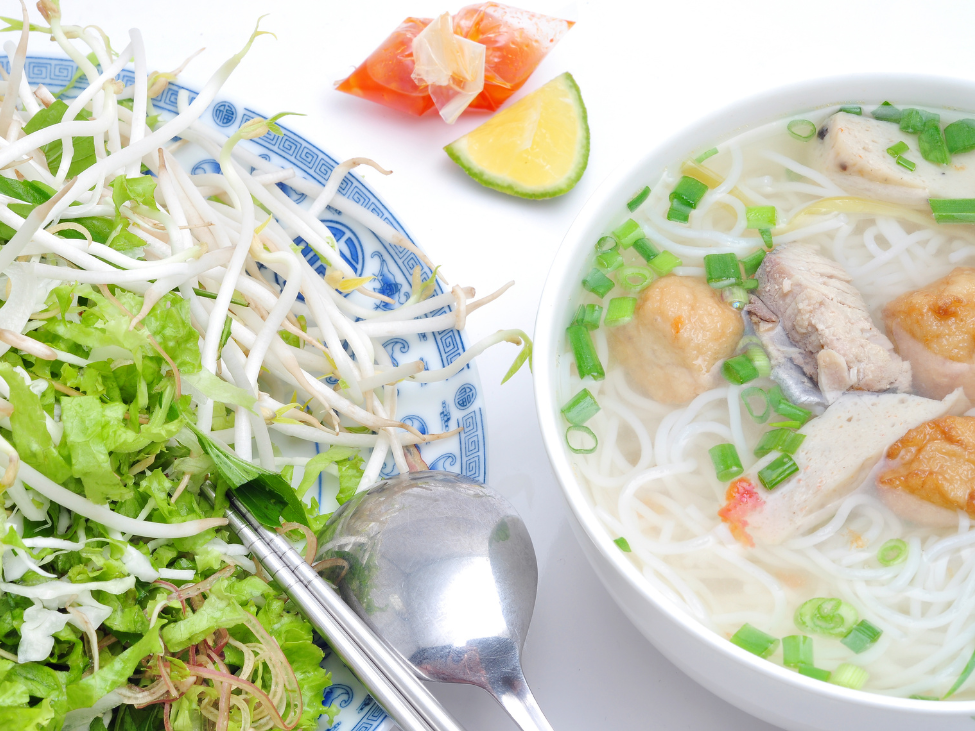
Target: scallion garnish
(705,155)
(620,311)
(785,424)
(893,552)
(664,263)
(849,676)
(679,212)
(766,235)
(905,163)
(899,149)
(826,616)
(736,296)
(635,279)
(759,359)
(852,109)
(777,471)
(811,671)
(862,637)
(760,216)
(755,641)
(960,136)
(797,650)
(953,210)
(689,191)
(752,392)
(588,315)
(587,361)
(802,129)
(739,370)
(750,284)
(932,145)
(609,261)
(783,407)
(623,544)
(605,243)
(213,295)
(887,112)
(961,678)
(585,436)
(752,262)
(580,408)
(597,283)
(627,232)
(727,464)
(722,270)
(779,440)
(914,120)
(637,200)
(645,248)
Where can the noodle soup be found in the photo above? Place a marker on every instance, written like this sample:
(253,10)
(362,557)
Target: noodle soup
(768,382)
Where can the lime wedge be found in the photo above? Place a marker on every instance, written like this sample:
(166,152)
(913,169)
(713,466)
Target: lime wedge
(536,148)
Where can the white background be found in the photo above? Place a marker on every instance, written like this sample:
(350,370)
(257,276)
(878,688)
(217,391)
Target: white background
(646,68)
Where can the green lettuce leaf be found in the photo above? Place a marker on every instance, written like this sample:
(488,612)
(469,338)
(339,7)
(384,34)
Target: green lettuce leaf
(88,424)
(217,612)
(84,147)
(319,462)
(140,189)
(40,717)
(30,435)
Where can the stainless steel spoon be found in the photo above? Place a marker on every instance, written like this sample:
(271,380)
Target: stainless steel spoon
(442,568)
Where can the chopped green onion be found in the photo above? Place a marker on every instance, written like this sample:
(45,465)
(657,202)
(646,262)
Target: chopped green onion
(916,697)
(747,394)
(580,408)
(849,676)
(588,315)
(609,261)
(635,279)
(766,235)
(587,361)
(953,210)
(722,270)
(627,232)
(623,544)
(779,440)
(597,283)
(759,359)
(689,191)
(664,263)
(620,311)
(830,617)
(605,243)
(705,155)
(645,248)
(813,672)
(638,199)
(960,136)
(586,432)
(755,641)
(679,212)
(961,678)
(893,552)
(932,145)
(852,109)
(737,297)
(797,650)
(225,335)
(752,262)
(862,637)
(905,163)
(739,370)
(887,112)
(801,129)
(727,464)
(899,149)
(213,295)
(914,120)
(750,284)
(777,471)
(785,424)
(760,216)
(784,407)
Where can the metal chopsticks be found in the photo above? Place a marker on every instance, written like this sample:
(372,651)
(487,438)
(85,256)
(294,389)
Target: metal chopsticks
(388,676)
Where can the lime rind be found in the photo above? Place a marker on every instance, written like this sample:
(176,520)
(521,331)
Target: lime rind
(457,152)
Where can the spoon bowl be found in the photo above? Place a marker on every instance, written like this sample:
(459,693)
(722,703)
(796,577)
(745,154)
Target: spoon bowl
(443,569)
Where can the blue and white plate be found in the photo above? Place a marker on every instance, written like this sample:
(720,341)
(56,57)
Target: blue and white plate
(429,408)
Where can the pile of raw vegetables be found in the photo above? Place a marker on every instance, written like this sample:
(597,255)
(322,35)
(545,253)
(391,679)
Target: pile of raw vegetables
(145,353)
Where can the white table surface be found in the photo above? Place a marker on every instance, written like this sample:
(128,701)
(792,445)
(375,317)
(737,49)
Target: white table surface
(645,67)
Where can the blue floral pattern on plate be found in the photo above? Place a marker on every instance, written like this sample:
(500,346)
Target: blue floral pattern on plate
(430,407)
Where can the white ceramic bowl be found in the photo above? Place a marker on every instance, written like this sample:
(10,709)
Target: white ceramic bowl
(766,690)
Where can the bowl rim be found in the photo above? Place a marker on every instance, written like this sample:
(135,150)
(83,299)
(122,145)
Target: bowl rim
(607,201)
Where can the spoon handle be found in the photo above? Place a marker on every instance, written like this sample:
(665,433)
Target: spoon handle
(517,699)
